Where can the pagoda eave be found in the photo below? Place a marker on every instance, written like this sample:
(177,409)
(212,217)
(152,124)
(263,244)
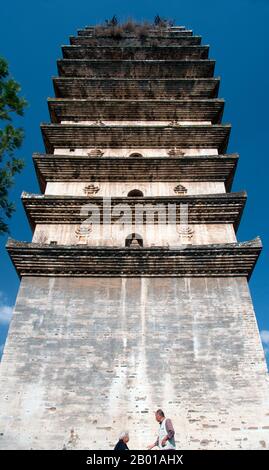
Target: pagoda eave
(135,88)
(223,208)
(184,168)
(64,109)
(184,40)
(142,52)
(152,34)
(87,136)
(136,68)
(219,260)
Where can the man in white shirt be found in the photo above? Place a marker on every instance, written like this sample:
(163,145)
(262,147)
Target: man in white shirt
(166,439)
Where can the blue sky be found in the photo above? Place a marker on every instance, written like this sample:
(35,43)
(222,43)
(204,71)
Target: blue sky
(31,34)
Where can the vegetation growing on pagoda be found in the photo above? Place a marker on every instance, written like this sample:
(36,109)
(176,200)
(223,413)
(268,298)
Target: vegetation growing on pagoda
(114,29)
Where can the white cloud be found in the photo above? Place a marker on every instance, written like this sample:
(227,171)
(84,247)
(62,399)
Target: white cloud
(5,310)
(5,314)
(265,337)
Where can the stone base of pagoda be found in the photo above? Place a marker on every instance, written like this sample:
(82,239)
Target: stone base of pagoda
(100,355)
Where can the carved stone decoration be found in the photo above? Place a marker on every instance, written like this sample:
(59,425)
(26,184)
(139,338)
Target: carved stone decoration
(98,122)
(185,233)
(95,153)
(180,189)
(174,152)
(174,123)
(83,232)
(91,189)
(134,244)
(134,241)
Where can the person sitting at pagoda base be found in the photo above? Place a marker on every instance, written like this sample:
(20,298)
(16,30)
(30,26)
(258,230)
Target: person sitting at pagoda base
(122,443)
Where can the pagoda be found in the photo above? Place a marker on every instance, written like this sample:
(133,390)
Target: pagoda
(134,289)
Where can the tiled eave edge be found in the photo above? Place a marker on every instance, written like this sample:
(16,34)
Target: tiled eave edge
(75,168)
(131,40)
(141,52)
(136,68)
(141,109)
(223,260)
(87,136)
(202,209)
(126,88)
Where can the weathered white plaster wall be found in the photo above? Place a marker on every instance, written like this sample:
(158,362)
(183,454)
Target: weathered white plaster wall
(121,189)
(141,122)
(153,235)
(146,152)
(100,355)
